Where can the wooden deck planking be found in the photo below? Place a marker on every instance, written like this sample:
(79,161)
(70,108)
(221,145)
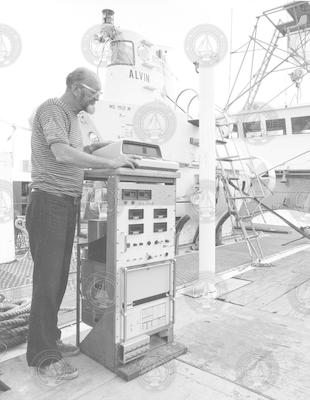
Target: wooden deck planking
(218,337)
(294,304)
(183,382)
(235,254)
(25,383)
(222,339)
(269,284)
(180,381)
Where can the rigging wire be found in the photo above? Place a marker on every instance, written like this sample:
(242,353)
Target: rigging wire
(253,58)
(241,47)
(303,42)
(242,52)
(102,55)
(291,159)
(177,105)
(280,58)
(284,69)
(286,161)
(288,87)
(278,70)
(244,92)
(241,65)
(246,89)
(266,43)
(299,31)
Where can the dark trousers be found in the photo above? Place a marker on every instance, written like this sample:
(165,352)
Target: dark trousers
(50,222)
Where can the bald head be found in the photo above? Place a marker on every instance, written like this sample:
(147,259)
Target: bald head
(83,90)
(80,75)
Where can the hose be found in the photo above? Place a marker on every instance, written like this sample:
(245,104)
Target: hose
(14,322)
(10,323)
(14,319)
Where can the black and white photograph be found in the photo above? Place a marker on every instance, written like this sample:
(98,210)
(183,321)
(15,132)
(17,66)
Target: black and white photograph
(154,200)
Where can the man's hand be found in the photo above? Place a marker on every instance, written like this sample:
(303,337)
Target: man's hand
(69,155)
(95,146)
(124,161)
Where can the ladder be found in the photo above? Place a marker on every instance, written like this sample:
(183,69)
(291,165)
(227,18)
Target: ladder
(231,168)
(259,76)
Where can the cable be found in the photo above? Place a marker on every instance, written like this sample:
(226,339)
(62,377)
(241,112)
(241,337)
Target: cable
(274,55)
(239,71)
(176,104)
(268,73)
(301,45)
(102,54)
(14,126)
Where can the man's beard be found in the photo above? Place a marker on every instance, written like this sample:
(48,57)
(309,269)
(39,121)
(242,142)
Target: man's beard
(90,109)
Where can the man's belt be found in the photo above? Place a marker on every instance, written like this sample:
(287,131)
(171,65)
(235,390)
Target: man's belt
(75,200)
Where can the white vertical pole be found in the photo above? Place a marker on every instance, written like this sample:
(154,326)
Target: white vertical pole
(205,46)
(207,173)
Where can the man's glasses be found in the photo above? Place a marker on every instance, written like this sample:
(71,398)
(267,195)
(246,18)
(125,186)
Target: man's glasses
(94,91)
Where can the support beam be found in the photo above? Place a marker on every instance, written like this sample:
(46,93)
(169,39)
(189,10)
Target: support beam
(207,172)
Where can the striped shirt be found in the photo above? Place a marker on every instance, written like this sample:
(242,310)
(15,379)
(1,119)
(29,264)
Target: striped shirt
(55,122)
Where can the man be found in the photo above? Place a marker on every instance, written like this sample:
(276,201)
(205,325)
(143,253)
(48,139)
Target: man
(57,177)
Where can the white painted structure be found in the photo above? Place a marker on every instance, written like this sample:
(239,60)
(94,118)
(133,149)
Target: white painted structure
(7,245)
(137,73)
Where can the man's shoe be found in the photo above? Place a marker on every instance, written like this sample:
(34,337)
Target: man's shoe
(66,349)
(60,370)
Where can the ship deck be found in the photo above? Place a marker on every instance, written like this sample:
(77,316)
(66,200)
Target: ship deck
(252,342)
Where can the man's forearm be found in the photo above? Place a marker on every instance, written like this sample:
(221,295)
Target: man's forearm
(69,155)
(90,148)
